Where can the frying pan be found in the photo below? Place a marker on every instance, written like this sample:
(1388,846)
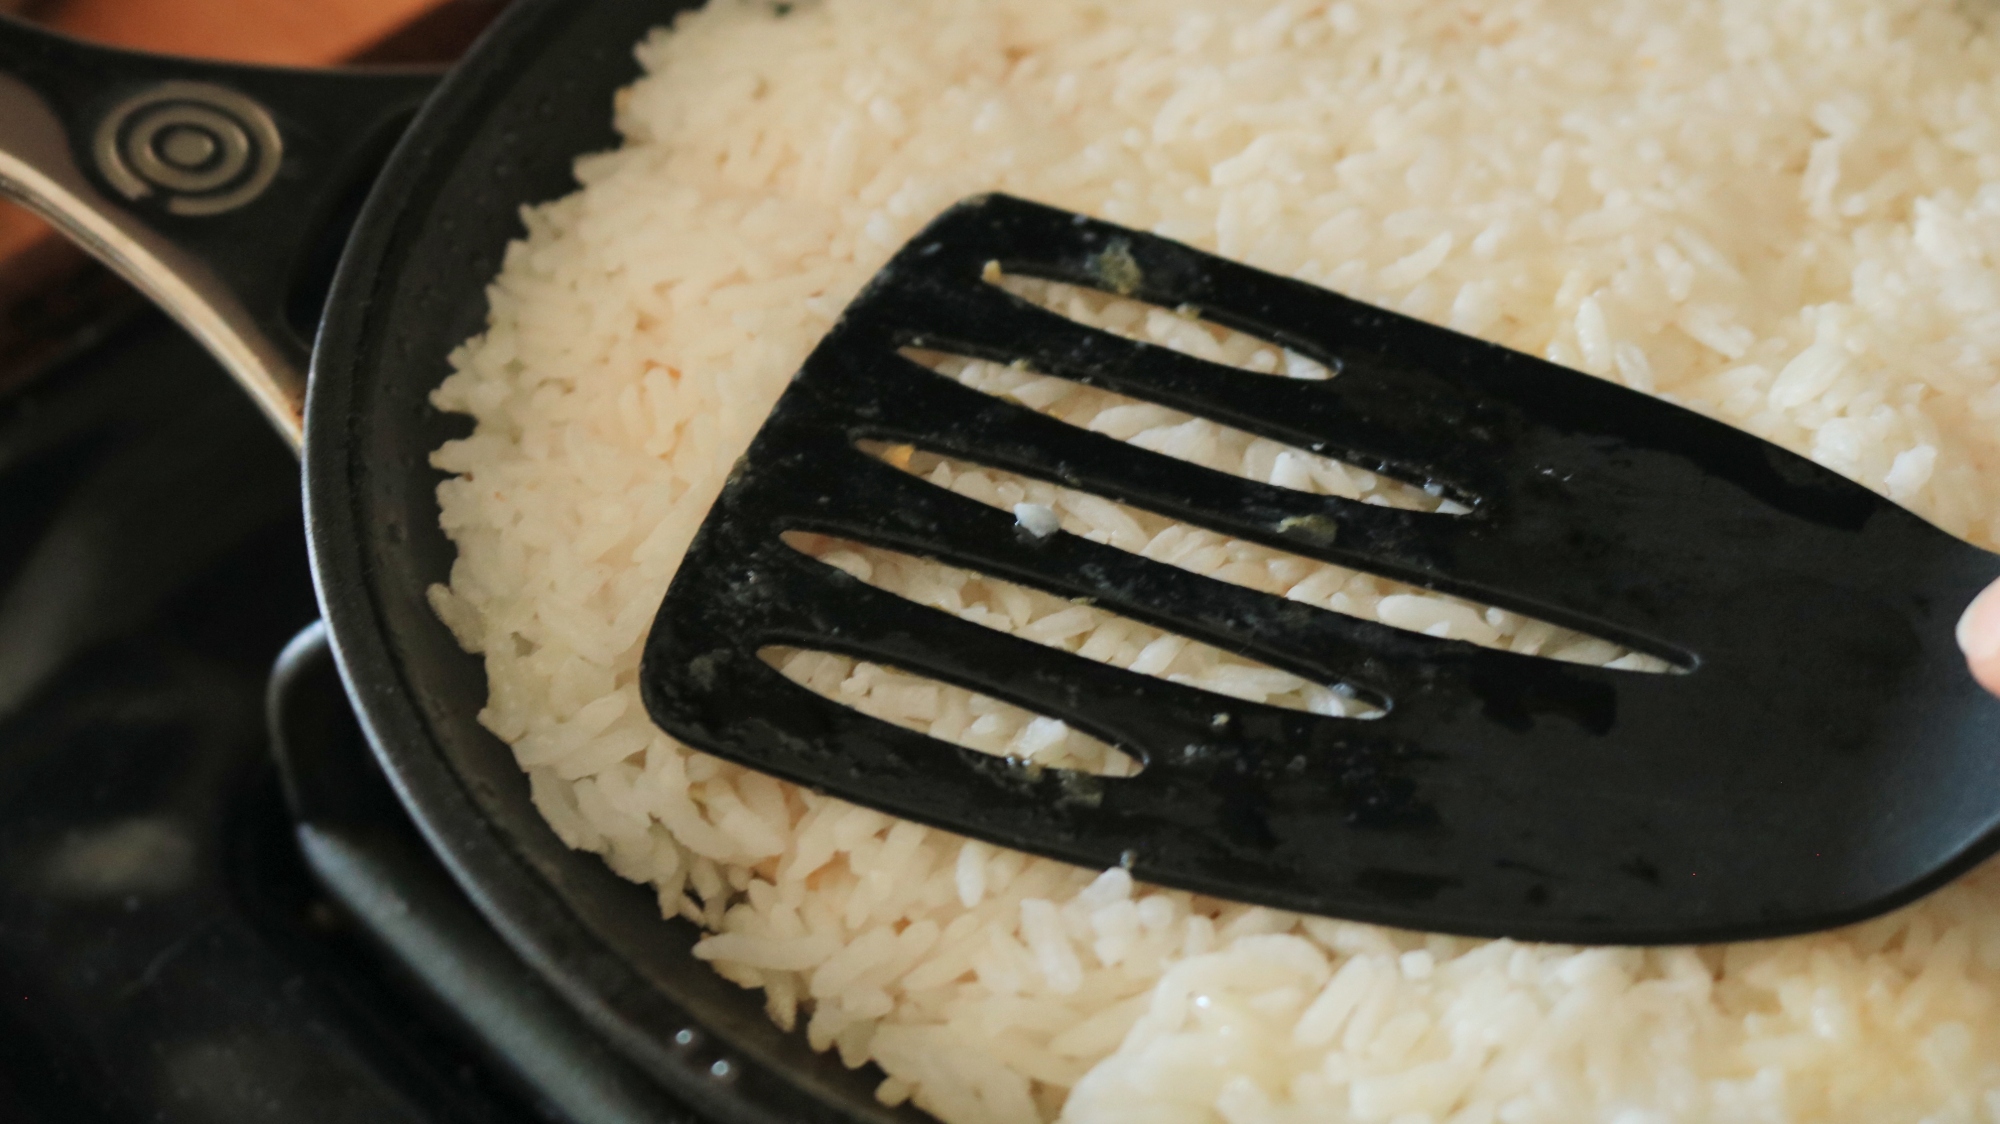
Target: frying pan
(227,193)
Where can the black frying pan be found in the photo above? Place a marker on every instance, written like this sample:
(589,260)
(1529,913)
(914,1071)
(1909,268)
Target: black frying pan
(225,192)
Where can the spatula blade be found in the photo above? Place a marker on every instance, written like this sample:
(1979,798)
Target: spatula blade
(1823,757)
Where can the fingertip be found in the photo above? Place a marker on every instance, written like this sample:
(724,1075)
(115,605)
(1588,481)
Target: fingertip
(1979,637)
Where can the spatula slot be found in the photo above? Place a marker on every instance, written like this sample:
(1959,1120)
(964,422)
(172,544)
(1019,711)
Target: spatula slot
(949,713)
(1265,569)
(1184,329)
(1099,328)
(1183,436)
(1086,630)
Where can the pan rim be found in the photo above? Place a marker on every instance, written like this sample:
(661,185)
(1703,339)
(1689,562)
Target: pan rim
(514,892)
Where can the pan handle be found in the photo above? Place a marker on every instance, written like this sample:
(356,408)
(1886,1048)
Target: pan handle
(360,845)
(223,192)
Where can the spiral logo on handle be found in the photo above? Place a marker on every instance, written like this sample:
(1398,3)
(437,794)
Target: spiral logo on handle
(202,149)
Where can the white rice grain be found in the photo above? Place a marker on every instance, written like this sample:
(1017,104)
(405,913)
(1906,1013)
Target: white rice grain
(1783,213)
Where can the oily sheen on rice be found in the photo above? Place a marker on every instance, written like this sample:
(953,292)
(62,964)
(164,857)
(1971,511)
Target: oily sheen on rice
(1783,213)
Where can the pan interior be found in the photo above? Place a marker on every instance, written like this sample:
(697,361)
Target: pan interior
(502,133)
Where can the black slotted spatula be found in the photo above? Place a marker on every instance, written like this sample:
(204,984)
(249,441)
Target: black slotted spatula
(1822,754)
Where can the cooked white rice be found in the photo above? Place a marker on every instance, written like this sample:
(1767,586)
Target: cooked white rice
(1784,213)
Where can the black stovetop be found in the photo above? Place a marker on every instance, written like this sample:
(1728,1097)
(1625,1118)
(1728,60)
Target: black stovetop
(165,952)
